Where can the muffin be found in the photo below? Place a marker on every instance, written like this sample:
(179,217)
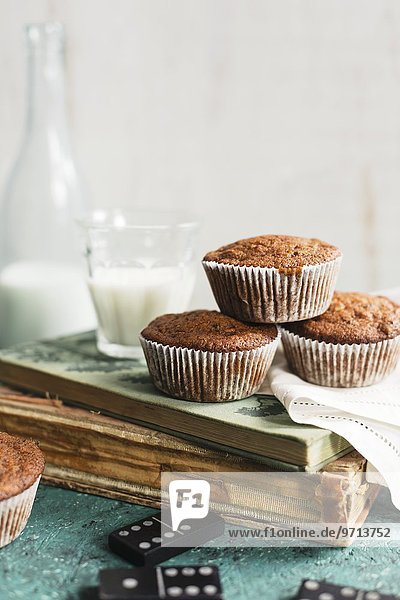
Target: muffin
(206,356)
(273,278)
(355,343)
(21,466)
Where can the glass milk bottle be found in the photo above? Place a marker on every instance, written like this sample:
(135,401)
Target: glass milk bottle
(42,287)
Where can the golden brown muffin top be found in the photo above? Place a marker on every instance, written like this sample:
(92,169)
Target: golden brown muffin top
(352,318)
(283,252)
(21,463)
(208,330)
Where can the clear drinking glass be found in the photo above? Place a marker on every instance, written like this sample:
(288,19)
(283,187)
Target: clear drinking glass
(141,265)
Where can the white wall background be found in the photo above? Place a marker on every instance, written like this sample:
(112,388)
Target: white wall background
(261,115)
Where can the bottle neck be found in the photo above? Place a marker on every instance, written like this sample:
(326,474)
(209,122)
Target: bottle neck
(46,105)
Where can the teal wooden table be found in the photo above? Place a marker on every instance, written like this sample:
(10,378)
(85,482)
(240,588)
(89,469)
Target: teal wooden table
(64,545)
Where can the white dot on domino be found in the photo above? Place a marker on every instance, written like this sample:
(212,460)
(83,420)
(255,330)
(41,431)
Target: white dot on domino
(136,528)
(210,590)
(175,591)
(171,572)
(147,523)
(156,540)
(144,545)
(169,534)
(311,585)
(348,592)
(326,596)
(205,570)
(188,571)
(129,583)
(123,533)
(192,590)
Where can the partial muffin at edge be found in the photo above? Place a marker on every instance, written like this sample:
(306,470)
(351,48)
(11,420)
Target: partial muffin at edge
(21,466)
(355,343)
(352,318)
(21,463)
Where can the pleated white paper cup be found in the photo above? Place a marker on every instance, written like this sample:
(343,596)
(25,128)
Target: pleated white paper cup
(268,295)
(15,512)
(340,365)
(204,376)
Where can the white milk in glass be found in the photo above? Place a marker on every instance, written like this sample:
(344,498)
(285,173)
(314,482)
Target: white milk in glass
(128,298)
(41,299)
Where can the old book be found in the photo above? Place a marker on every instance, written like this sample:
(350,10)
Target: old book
(236,514)
(98,454)
(71,368)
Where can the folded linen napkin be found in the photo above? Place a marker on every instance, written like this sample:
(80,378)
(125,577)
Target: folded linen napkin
(369,417)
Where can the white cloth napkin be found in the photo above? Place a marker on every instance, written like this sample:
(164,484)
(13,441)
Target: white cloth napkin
(369,418)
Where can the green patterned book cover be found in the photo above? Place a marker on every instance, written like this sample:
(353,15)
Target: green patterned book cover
(72,369)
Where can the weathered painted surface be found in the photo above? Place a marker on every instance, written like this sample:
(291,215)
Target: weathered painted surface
(261,116)
(59,554)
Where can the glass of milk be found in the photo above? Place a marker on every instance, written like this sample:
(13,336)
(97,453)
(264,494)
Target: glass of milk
(141,265)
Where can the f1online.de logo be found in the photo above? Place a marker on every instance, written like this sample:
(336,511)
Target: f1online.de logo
(189,499)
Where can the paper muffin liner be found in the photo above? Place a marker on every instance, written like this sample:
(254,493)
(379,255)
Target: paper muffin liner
(267,295)
(340,365)
(204,376)
(15,512)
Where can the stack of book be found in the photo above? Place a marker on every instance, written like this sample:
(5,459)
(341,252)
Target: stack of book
(106,430)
